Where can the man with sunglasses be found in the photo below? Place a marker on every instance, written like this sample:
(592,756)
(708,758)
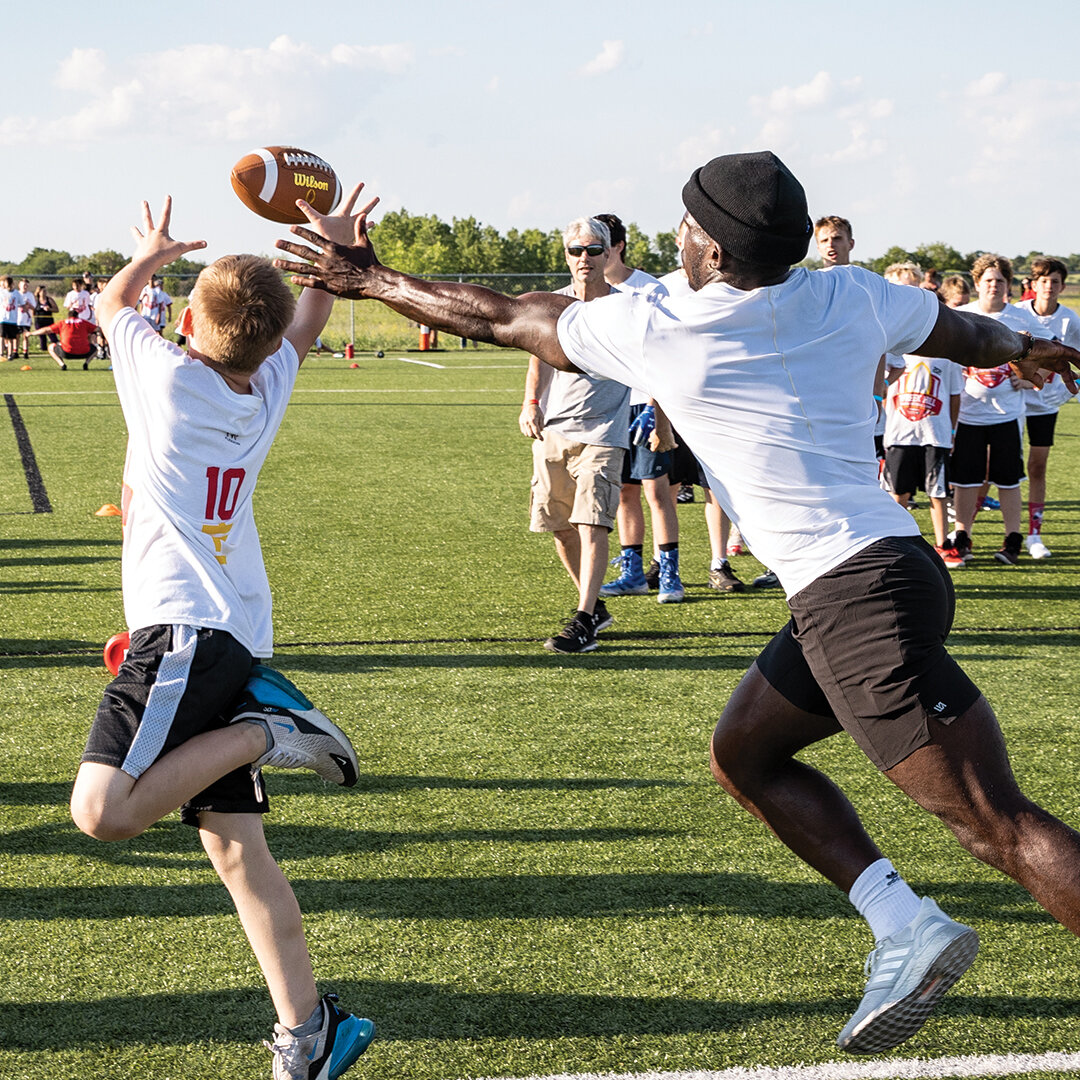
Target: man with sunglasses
(768,371)
(580,427)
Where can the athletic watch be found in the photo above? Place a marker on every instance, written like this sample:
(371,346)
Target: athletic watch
(1028,342)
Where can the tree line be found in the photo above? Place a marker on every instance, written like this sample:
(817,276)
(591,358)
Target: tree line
(425,244)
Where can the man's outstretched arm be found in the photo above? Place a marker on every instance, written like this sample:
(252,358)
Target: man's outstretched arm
(525,322)
(977,341)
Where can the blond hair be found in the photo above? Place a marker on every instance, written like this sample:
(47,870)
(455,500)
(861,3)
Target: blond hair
(240,307)
(897,271)
(954,287)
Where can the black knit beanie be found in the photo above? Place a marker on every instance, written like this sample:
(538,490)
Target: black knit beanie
(752,206)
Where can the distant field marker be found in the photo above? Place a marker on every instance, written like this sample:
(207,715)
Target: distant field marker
(425,363)
(887,1069)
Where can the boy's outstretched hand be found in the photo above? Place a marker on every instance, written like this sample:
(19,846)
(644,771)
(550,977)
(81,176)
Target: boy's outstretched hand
(154,248)
(340,251)
(154,241)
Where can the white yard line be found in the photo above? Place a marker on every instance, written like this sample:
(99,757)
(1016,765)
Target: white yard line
(424,363)
(889,1069)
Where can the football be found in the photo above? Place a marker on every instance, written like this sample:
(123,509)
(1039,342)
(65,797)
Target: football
(270,180)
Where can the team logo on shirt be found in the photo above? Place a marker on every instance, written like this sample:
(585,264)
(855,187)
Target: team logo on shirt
(235,439)
(918,395)
(989,377)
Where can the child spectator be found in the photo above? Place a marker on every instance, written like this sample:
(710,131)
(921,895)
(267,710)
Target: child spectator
(43,316)
(1041,406)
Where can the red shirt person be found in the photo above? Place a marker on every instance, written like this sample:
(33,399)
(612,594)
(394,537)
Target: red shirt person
(74,342)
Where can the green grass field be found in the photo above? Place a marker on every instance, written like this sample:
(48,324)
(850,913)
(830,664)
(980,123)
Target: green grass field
(536,873)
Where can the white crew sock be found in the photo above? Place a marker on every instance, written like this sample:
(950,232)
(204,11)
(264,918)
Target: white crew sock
(884,899)
(718,564)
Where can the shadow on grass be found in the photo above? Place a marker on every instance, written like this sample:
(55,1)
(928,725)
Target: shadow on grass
(660,895)
(296,841)
(46,793)
(32,655)
(56,542)
(619,653)
(413,1010)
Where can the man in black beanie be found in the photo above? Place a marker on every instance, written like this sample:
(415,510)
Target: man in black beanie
(768,373)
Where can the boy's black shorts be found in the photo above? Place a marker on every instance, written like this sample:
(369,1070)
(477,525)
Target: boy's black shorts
(987,452)
(1040,429)
(176,682)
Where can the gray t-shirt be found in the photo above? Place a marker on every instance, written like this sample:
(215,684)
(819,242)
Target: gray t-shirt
(585,409)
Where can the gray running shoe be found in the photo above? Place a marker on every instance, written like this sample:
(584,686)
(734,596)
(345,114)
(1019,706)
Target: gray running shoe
(908,974)
(304,738)
(768,580)
(326,1054)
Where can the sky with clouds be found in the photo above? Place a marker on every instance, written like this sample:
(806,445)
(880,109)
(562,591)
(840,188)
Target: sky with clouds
(920,122)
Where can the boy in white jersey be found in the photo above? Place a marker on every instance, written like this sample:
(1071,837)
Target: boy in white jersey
(770,368)
(987,444)
(1041,406)
(191,715)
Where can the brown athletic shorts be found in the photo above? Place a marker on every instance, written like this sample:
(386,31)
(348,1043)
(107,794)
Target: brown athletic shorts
(866,644)
(574,484)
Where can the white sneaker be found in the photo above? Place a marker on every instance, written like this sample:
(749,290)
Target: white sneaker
(909,973)
(1036,548)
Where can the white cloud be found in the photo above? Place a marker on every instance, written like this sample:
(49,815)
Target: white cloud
(84,71)
(697,149)
(214,92)
(819,91)
(826,119)
(492,85)
(991,83)
(601,194)
(607,59)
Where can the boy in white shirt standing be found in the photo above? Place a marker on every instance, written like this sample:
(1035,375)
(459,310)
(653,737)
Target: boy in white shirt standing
(191,715)
(1041,406)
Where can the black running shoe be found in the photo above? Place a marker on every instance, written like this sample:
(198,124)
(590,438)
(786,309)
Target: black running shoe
(602,618)
(1010,551)
(652,576)
(724,579)
(768,580)
(576,636)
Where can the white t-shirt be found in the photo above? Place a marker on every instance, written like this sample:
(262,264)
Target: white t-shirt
(639,281)
(25,305)
(583,408)
(191,550)
(676,283)
(989,396)
(918,406)
(79,299)
(8,302)
(1063,324)
(773,388)
(153,304)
